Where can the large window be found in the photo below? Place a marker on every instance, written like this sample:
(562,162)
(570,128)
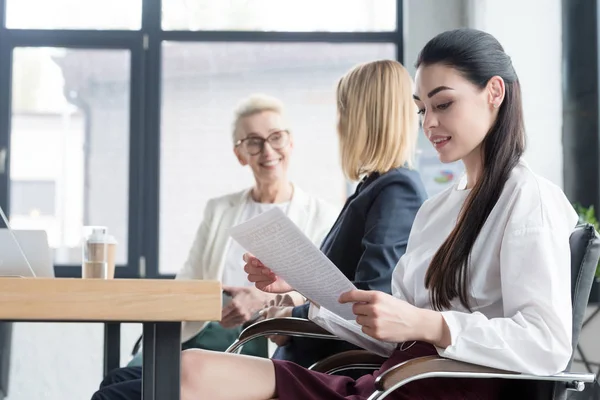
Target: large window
(116,112)
(69,128)
(280,15)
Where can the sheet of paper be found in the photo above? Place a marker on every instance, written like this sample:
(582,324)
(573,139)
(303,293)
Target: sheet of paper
(350,331)
(275,240)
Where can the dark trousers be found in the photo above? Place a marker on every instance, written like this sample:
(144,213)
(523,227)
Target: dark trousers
(121,384)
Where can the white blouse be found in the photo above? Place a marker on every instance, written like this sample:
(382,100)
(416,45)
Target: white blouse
(233,271)
(520,291)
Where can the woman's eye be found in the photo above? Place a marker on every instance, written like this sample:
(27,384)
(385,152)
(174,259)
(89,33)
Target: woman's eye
(444,106)
(421,111)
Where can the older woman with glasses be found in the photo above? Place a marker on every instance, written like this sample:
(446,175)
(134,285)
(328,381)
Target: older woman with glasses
(263,143)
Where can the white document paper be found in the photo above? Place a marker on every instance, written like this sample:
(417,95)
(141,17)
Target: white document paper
(350,331)
(275,240)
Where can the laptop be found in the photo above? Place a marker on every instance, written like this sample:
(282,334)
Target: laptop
(24,253)
(35,260)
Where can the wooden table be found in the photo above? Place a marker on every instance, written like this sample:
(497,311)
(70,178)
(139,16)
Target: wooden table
(160,305)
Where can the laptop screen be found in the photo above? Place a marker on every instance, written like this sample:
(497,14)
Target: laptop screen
(7,251)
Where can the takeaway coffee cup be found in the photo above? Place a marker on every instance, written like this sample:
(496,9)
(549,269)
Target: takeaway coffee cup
(98,253)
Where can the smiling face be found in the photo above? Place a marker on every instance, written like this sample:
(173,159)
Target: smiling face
(456,114)
(271,164)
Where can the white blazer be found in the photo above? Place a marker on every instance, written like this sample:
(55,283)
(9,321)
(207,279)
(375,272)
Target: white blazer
(206,259)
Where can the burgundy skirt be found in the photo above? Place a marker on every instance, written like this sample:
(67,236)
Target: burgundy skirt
(295,382)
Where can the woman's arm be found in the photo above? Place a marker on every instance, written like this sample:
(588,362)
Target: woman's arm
(535,334)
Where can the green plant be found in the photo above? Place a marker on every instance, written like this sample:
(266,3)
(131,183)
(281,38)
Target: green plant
(588,215)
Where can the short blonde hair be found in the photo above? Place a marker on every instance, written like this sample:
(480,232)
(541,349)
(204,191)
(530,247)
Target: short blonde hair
(377,118)
(255,104)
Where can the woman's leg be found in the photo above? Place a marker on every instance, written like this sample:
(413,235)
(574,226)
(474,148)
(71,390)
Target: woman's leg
(223,376)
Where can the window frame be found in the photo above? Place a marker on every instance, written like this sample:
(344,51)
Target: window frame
(145,107)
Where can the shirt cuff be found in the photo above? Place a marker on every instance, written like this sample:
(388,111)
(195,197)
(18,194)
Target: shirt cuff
(455,327)
(301,311)
(313,311)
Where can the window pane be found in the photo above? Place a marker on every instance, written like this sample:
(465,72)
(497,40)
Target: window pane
(280,15)
(33,198)
(74,14)
(202,84)
(70,145)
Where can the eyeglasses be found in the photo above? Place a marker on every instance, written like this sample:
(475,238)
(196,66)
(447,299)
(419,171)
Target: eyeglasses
(254,145)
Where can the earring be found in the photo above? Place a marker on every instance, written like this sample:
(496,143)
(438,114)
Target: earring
(496,105)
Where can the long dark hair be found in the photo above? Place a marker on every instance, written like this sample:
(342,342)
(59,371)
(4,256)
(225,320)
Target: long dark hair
(477,56)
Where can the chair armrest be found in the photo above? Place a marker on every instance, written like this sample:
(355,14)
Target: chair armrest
(348,360)
(298,327)
(136,346)
(438,367)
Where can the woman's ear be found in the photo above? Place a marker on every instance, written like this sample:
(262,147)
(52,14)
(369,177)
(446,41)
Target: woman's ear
(240,156)
(496,91)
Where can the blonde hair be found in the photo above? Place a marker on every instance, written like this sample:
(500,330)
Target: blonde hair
(377,118)
(255,104)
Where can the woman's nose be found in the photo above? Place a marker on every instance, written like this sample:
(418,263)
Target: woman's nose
(430,121)
(267,149)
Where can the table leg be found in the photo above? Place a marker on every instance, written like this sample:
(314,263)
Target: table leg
(148,357)
(161,361)
(112,346)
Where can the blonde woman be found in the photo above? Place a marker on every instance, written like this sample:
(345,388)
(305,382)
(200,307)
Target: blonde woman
(377,132)
(262,142)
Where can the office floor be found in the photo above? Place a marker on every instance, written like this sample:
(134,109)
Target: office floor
(591,393)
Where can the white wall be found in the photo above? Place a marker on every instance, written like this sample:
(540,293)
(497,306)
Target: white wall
(423,19)
(531,34)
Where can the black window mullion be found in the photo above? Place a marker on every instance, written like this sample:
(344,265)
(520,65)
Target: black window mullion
(72,39)
(2,15)
(258,36)
(5,119)
(151,27)
(136,163)
(399,36)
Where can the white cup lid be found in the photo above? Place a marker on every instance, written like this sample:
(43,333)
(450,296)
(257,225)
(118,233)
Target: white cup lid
(99,237)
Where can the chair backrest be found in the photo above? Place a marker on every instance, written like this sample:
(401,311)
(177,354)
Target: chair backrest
(585,253)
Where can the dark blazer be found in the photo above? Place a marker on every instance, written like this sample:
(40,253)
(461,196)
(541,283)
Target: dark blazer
(365,243)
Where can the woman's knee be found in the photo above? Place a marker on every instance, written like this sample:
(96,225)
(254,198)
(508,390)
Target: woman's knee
(192,366)
(214,375)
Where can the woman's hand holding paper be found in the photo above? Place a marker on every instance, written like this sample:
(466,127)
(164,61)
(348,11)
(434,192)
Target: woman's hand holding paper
(390,319)
(263,278)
